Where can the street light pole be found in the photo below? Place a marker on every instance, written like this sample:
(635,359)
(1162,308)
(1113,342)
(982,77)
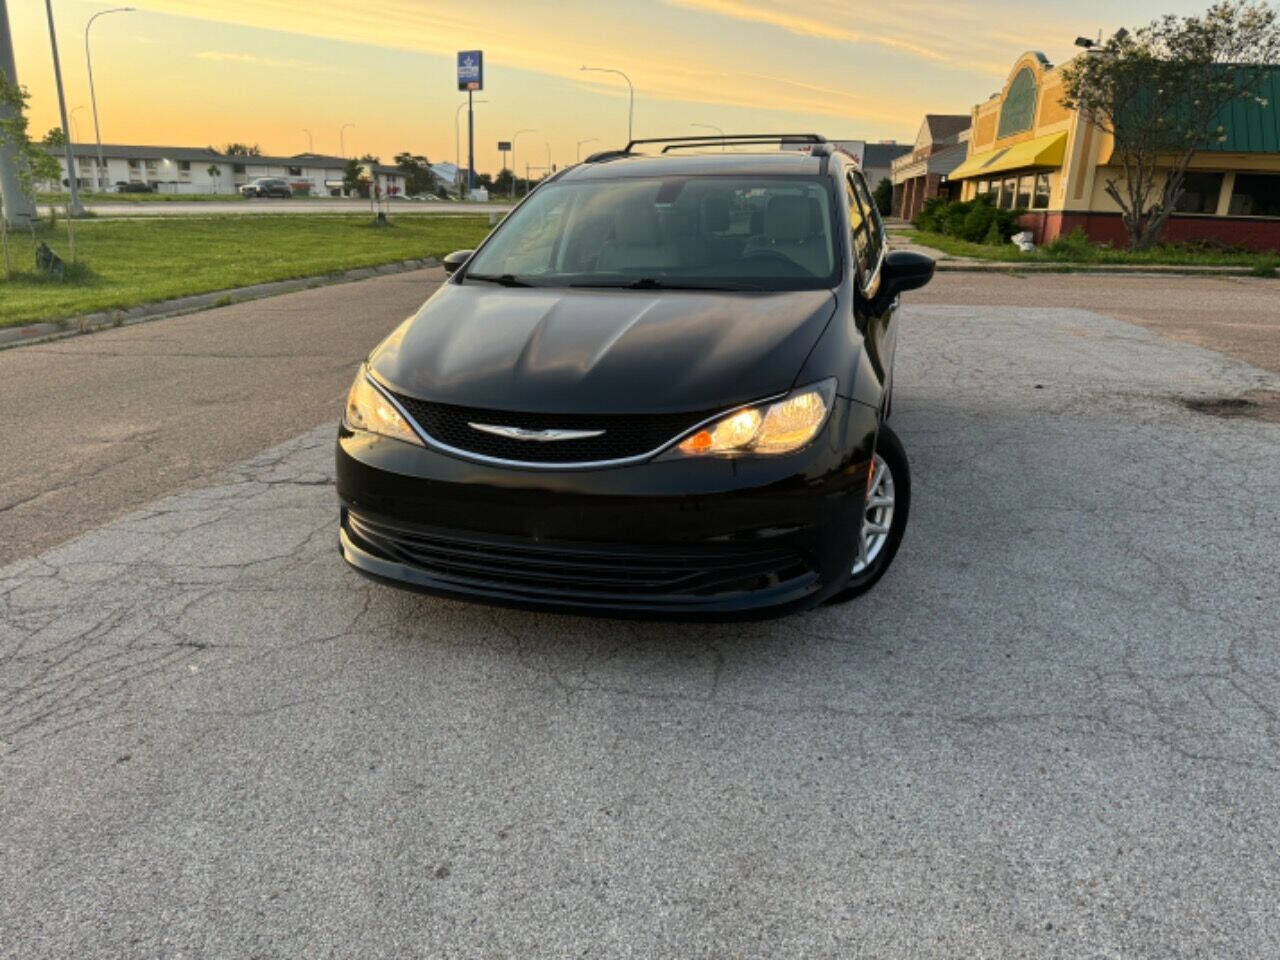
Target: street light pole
(93,98)
(548,143)
(710,126)
(76,208)
(514,168)
(342,138)
(457,137)
(311,143)
(578,156)
(631,110)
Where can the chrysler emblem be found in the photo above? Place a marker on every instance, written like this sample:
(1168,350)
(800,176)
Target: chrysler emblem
(542,436)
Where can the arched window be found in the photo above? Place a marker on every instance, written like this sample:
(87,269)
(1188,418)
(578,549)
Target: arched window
(1018,112)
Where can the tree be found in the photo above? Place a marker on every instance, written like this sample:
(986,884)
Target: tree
(883,196)
(32,162)
(1165,93)
(54,138)
(418,176)
(215,174)
(369,158)
(241,150)
(352,175)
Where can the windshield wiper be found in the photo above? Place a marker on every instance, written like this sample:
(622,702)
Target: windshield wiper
(651,283)
(504,279)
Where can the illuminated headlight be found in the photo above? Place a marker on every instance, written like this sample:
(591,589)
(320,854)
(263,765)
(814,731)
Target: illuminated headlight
(369,410)
(783,426)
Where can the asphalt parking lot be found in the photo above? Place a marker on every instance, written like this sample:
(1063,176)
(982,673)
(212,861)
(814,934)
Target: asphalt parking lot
(1051,731)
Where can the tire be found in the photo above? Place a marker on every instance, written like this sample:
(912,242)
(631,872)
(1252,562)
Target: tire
(892,459)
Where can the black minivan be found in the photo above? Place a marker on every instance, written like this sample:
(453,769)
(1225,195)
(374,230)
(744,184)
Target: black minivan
(659,387)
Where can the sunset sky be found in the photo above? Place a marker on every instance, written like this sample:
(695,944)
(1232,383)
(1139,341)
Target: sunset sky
(191,73)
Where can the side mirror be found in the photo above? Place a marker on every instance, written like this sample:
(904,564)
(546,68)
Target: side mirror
(453,261)
(904,270)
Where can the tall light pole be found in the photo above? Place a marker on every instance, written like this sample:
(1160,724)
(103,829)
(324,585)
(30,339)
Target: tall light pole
(710,126)
(514,168)
(578,156)
(311,143)
(457,137)
(88,60)
(76,208)
(342,138)
(631,110)
(75,127)
(548,143)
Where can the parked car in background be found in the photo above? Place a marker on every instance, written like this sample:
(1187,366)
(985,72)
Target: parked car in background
(267,187)
(660,386)
(134,186)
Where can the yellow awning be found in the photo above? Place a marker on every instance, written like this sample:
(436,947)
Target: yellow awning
(1041,152)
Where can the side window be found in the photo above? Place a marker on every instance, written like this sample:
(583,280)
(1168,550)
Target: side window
(874,234)
(860,230)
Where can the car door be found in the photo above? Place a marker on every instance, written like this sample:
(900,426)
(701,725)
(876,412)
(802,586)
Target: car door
(874,316)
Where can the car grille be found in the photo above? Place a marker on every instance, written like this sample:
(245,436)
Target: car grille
(624,436)
(569,572)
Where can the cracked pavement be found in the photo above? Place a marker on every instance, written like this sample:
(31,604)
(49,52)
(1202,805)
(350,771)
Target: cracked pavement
(1051,731)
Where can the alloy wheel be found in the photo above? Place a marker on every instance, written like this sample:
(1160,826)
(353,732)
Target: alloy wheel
(877,520)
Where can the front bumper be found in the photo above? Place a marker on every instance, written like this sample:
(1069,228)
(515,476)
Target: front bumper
(673,538)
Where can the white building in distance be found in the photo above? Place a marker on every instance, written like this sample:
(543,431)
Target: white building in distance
(204,170)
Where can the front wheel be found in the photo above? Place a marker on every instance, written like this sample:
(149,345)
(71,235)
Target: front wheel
(876,541)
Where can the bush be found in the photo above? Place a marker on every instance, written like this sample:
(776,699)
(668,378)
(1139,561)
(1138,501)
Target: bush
(977,220)
(1075,245)
(1267,266)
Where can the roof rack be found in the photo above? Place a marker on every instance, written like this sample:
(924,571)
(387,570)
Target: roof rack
(730,140)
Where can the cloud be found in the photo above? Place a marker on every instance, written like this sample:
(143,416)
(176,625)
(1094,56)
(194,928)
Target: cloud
(233,56)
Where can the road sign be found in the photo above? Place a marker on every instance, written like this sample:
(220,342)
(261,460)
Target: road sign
(504,146)
(470,69)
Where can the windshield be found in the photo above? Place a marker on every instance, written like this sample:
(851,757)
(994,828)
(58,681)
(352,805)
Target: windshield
(709,232)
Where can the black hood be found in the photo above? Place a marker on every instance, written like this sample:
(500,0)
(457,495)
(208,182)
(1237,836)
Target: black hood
(601,351)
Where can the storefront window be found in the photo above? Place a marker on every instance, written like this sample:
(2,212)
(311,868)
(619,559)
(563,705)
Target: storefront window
(1256,195)
(1200,193)
(1008,190)
(1041,199)
(1024,193)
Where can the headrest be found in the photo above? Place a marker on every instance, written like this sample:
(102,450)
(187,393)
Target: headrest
(716,206)
(637,224)
(787,218)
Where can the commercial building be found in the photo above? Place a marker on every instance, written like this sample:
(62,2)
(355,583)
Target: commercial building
(876,159)
(940,147)
(1030,151)
(204,170)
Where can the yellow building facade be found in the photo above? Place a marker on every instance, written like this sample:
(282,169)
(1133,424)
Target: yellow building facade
(1031,152)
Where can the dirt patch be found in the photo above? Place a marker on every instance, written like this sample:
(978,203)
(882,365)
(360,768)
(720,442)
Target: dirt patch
(1255,405)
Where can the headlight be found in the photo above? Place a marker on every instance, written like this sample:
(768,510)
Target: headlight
(369,410)
(780,427)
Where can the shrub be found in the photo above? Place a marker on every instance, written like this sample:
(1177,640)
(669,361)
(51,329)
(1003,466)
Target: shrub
(1075,245)
(992,236)
(1267,266)
(971,220)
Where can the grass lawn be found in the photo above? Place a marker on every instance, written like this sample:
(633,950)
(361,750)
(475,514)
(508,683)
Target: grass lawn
(1068,252)
(124,263)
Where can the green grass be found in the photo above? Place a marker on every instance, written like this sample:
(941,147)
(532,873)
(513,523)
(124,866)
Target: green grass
(1070,251)
(124,263)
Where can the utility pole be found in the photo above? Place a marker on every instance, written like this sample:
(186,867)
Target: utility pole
(19,210)
(72,180)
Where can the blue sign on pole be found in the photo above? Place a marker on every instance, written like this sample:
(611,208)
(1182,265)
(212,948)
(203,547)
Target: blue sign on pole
(470,69)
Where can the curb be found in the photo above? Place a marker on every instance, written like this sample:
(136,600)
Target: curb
(1136,269)
(107,319)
